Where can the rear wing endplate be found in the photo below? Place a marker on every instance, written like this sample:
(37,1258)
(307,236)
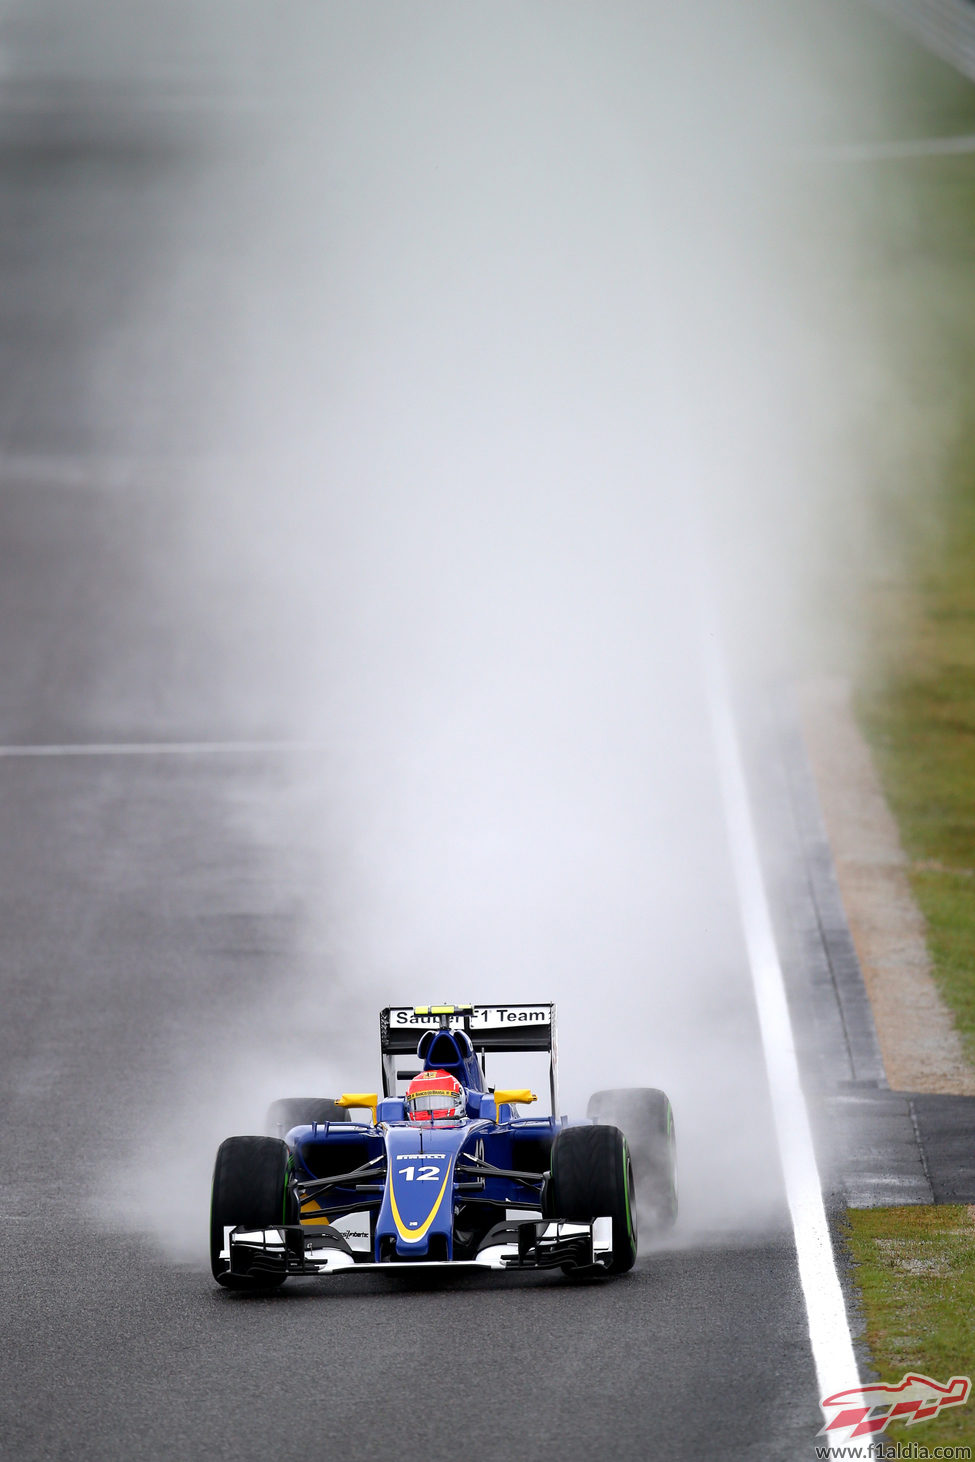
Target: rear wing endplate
(510,1028)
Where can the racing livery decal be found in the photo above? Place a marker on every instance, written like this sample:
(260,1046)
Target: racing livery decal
(418,1180)
(413,1230)
(478,1017)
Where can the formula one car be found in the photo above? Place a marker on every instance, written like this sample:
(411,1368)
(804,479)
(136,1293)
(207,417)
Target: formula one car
(446,1172)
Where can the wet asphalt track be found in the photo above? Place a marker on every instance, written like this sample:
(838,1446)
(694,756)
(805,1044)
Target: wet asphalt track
(135,916)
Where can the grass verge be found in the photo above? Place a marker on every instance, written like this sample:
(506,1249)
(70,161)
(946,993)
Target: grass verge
(919,717)
(916,702)
(915,1267)
(916,1271)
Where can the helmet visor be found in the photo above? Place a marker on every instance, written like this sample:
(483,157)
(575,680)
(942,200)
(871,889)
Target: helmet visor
(426,1106)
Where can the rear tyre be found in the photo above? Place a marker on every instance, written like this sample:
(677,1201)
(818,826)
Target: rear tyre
(646,1117)
(302,1111)
(592,1177)
(251,1189)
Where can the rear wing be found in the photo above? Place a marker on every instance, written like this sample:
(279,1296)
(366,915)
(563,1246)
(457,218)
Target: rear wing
(510,1028)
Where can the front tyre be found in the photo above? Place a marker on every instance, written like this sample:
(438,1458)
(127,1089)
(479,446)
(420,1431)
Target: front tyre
(592,1177)
(251,1189)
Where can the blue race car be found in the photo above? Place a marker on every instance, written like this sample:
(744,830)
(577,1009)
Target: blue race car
(447,1171)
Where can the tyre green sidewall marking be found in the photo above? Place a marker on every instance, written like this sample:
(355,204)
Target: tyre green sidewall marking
(288,1170)
(626,1188)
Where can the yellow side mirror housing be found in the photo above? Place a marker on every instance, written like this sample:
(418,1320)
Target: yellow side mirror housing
(369,1100)
(521,1095)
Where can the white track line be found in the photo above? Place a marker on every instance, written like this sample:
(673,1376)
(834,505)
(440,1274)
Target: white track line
(157,748)
(829,1331)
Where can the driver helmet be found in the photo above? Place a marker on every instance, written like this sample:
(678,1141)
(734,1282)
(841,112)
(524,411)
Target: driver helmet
(435,1096)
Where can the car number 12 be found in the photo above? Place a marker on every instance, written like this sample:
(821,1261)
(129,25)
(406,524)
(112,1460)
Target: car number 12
(427,1174)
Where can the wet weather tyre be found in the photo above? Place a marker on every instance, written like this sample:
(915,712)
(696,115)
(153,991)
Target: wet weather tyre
(251,1189)
(644,1115)
(302,1111)
(592,1177)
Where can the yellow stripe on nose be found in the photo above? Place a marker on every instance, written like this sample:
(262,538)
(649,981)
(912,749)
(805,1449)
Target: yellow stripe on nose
(414,1235)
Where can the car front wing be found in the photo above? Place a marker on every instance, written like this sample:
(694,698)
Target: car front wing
(290,1249)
